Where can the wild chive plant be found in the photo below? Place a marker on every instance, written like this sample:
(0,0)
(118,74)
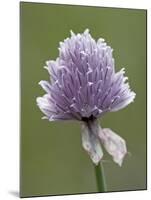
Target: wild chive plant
(84,86)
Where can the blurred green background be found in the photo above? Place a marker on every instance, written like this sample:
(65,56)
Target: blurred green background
(52,158)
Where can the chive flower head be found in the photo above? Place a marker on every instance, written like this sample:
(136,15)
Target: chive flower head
(84,86)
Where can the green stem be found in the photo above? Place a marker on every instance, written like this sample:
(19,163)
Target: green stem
(100,178)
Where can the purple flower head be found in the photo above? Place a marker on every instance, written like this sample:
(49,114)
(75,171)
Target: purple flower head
(84,86)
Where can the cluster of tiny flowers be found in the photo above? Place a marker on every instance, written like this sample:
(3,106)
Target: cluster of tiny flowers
(84,86)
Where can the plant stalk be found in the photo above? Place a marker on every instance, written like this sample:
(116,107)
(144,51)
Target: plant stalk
(100,178)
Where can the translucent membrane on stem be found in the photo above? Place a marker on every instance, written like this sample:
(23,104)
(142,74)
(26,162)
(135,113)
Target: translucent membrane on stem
(93,136)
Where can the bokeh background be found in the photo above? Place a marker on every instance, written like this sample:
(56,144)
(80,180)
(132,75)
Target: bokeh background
(52,159)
